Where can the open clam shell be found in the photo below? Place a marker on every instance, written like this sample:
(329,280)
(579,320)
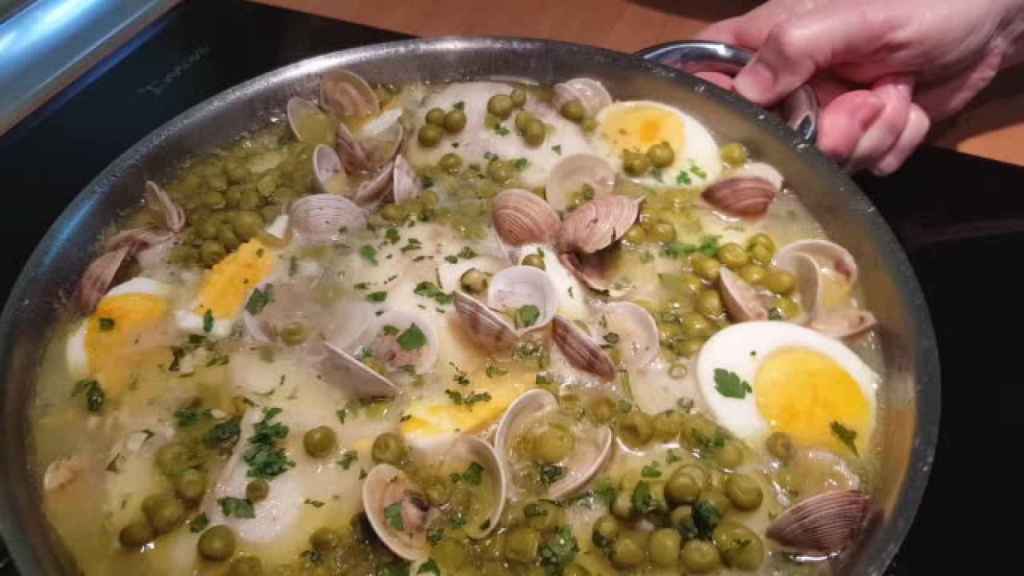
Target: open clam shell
(822,524)
(596,271)
(174,215)
(330,174)
(347,94)
(741,299)
(377,189)
(518,286)
(591,94)
(322,218)
(844,323)
(521,217)
(747,191)
(826,254)
(636,333)
(581,350)
(98,276)
(382,147)
(591,450)
(384,339)
(486,327)
(302,115)
(572,173)
(596,224)
(354,156)
(348,372)
(405,185)
(385,487)
(468,449)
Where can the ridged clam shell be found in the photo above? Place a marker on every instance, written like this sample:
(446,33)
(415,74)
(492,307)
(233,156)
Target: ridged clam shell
(596,224)
(574,172)
(347,94)
(98,277)
(580,350)
(740,299)
(822,524)
(521,217)
(174,215)
(320,218)
(591,93)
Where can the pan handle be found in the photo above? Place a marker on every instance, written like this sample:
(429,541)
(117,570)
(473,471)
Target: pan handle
(800,109)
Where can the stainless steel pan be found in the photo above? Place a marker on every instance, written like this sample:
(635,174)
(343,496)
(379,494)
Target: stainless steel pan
(911,391)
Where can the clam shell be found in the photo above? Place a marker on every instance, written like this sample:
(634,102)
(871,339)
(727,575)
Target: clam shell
(384,486)
(347,94)
(471,448)
(571,173)
(822,524)
(825,253)
(354,156)
(521,217)
(383,147)
(591,93)
(405,184)
(377,189)
(174,215)
(137,239)
(594,271)
(297,109)
(596,224)
(637,331)
(402,320)
(580,350)
(844,323)
(741,299)
(590,455)
(740,196)
(327,168)
(519,286)
(98,277)
(320,218)
(808,260)
(344,370)
(486,327)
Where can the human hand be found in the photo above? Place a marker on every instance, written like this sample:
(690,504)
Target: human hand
(884,70)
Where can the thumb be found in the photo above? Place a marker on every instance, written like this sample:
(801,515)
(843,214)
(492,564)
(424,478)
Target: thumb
(798,48)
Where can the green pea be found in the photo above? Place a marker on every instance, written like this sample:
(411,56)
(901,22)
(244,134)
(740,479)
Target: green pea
(636,235)
(534,132)
(437,492)
(695,325)
(522,544)
(232,196)
(730,455)
(190,486)
(474,281)
(270,212)
(454,121)
(602,409)
(622,506)
(450,163)
(499,171)
(589,125)
(552,444)
(451,554)
(663,232)
(661,155)
(227,237)
(700,557)
(666,425)
(574,570)
(779,281)
(500,105)
(734,154)
(435,116)
(429,199)
(522,119)
(764,241)
(681,519)
(217,543)
(760,254)
(207,229)
(780,445)
(544,515)
(715,499)
(136,534)
(629,550)
(743,491)
(319,441)
(173,458)
(605,531)
(324,539)
(664,546)
(163,511)
(705,267)
(247,223)
(739,546)
(787,308)
(752,274)
(293,333)
(535,260)
(709,303)
(257,490)
(698,430)
(733,255)
(211,252)
(683,487)
(429,135)
(213,199)
(245,566)
(690,284)
(518,97)
(389,448)
(687,347)
(393,212)
(635,163)
(635,428)
(250,199)
(573,111)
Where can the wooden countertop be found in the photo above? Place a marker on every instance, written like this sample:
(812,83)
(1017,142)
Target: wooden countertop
(992,127)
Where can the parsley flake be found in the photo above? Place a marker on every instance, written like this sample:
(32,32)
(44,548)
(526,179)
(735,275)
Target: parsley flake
(730,385)
(845,435)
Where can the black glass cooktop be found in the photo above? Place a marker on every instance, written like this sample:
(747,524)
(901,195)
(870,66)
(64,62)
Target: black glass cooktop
(960,218)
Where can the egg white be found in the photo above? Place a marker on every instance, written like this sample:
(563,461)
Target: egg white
(741,348)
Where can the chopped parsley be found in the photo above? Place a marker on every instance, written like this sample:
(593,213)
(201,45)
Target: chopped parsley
(557,148)
(697,170)
(190,415)
(501,130)
(379,296)
(473,474)
(224,435)
(198,524)
(730,385)
(845,435)
(495,371)
(550,473)
(534,510)
(106,324)
(706,517)
(430,290)
(468,399)
(526,316)
(369,253)
(435,535)
(347,459)
(558,551)
(95,397)
(208,321)
(264,457)
(315,503)
(259,299)
(393,514)
(683,179)
(460,377)
(643,500)
(429,567)
(412,339)
(392,235)
(672,457)
(651,471)
(460,105)
(236,507)
(520,164)
(412,244)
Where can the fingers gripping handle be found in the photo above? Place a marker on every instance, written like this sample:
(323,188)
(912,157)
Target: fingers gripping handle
(799,109)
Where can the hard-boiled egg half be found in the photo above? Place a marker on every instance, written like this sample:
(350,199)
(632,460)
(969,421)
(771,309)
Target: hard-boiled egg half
(637,125)
(120,326)
(225,289)
(764,377)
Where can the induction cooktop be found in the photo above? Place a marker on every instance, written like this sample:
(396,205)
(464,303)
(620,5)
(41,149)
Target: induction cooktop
(960,218)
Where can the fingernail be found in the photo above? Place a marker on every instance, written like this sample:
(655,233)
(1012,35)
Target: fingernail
(755,82)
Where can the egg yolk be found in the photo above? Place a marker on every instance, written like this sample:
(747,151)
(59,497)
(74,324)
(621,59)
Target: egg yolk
(803,393)
(639,127)
(114,332)
(227,285)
